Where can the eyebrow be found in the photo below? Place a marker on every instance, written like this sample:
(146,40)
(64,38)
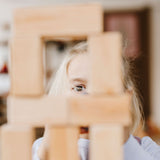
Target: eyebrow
(78,80)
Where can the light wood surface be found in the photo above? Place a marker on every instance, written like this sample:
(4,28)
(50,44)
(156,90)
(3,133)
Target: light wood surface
(16,142)
(105,63)
(69,20)
(63,143)
(27,72)
(106,142)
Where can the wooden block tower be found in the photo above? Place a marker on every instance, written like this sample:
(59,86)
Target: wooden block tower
(105,110)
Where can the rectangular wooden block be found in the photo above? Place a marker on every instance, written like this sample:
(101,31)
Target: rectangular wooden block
(87,110)
(79,111)
(26,71)
(105,62)
(37,112)
(106,142)
(63,143)
(16,142)
(69,20)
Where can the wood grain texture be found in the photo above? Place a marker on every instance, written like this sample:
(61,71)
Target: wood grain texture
(37,112)
(88,110)
(26,71)
(106,142)
(83,110)
(105,63)
(16,142)
(69,20)
(63,143)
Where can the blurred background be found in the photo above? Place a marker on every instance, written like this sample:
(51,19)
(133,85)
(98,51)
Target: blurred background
(139,23)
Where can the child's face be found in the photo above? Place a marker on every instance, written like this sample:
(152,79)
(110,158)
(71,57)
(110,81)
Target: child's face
(78,71)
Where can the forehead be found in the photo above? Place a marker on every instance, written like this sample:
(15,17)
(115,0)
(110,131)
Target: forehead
(79,67)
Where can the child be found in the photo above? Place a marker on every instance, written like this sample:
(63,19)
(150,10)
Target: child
(72,78)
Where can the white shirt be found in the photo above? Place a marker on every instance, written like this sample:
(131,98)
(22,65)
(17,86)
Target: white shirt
(133,150)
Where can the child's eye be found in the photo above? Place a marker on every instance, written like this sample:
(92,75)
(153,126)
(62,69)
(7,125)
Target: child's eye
(79,88)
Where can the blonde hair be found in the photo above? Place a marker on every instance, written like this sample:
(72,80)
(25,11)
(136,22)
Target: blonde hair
(60,85)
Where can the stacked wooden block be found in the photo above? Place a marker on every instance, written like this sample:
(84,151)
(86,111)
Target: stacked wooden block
(105,110)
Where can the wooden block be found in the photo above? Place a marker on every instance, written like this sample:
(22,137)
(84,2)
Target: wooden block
(27,72)
(37,112)
(16,142)
(106,142)
(79,111)
(87,110)
(63,143)
(105,62)
(68,20)
(83,110)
